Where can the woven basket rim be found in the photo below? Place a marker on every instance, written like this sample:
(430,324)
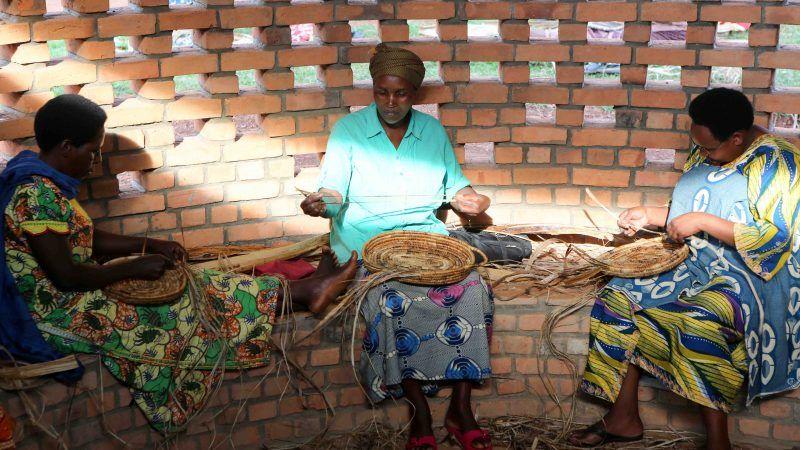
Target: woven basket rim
(620,261)
(119,292)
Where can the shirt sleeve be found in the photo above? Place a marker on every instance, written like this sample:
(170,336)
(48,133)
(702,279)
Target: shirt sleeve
(454,179)
(39,208)
(773,192)
(337,166)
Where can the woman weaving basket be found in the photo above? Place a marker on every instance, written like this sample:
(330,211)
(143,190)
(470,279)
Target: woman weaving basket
(52,298)
(728,316)
(389,167)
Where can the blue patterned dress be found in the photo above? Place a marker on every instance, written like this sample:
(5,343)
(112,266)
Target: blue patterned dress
(725,315)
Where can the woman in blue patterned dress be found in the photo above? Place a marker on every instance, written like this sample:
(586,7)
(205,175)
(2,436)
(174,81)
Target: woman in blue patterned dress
(730,313)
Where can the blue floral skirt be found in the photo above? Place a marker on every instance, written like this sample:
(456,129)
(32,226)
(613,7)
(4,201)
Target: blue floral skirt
(432,334)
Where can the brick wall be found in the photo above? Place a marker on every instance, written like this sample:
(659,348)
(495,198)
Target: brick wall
(219,109)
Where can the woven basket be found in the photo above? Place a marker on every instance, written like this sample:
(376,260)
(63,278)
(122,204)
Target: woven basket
(644,258)
(423,258)
(147,292)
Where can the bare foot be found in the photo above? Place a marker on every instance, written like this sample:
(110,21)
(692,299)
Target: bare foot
(333,284)
(328,263)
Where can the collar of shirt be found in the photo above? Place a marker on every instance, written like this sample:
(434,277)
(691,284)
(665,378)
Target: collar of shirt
(375,128)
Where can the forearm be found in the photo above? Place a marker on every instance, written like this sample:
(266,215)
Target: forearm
(110,244)
(657,216)
(88,277)
(719,228)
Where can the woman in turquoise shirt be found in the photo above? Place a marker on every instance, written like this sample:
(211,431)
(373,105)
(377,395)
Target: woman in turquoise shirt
(389,167)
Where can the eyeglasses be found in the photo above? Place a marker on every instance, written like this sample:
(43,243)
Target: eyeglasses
(708,150)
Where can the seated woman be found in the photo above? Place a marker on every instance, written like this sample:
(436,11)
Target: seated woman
(730,312)
(389,167)
(163,353)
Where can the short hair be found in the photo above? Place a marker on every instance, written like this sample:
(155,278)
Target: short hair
(68,117)
(723,111)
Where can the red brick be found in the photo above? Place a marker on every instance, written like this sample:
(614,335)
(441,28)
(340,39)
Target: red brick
(189,176)
(776,408)
(782,14)
(629,199)
(245,17)
(425,10)
(695,78)
(700,34)
(730,12)
(658,99)
(569,117)
(657,179)
(325,357)
(200,238)
(569,156)
(279,125)
(307,56)
(497,10)
(189,64)
(633,75)
(194,197)
(727,58)
(762,37)
(193,151)
(92,50)
(431,51)
(600,177)
(514,31)
(639,33)
(489,177)
(278,81)
(496,134)
(29,52)
(252,104)
(301,14)
(659,139)
(600,157)
(252,190)
(67,72)
(786,431)
(187,18)
(781,59)
(535,175)
(335,32)
(665,56)
(539,135)
(152,45)
(539,196)
(224,214)
(452,31)
(128,69)
(126,24)
(754,427)
(483,93)
(213,39)
(135,205)
(135,162)
(189,108)
(599,136)
(13,33)
(602,53)
(542,52)
(66,27)
(543,10)
(254,231)
(484,51)
(155,89)
(606,12)
(540,94)
(435,94)
(668,12)
(23,7)
(600,96)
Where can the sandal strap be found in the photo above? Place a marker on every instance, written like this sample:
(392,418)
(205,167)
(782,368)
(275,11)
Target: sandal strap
(421,441)
(471,436)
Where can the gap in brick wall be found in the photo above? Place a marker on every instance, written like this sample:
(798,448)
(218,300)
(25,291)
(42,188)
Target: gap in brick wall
(122,46)
(182,40)
(306,76)
(304,34)
(247,124)
(244,37)
(361,74)
(306,161)
(539,113)
(789,36)
(605,32)
(57,90)
(601,73)
(180,3)
(58,49)
(479,153)
(247,79)
(422,30)
(185,129)
(185,84)
(542,72)
(123,89)
(663,76)
(784,123)
(431,109)
(787,80)
(483,30)
(484,70)
(602,115)
(130,184)
(432,74)
(53,7)
(543,30)
(659,158)
(730,77)
(668,34)
(365,31)
(362,2)
(731,34)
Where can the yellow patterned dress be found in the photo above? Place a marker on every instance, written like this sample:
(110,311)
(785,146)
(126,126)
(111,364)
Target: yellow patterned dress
(162,353)
(727,317)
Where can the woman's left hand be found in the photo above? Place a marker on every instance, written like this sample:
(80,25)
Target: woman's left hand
(470,203)
(171,249)
(685,225)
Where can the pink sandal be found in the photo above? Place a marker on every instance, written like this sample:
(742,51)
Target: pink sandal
(465,440)
(421,442)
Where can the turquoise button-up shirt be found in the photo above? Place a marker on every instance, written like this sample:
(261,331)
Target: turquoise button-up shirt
(386,188)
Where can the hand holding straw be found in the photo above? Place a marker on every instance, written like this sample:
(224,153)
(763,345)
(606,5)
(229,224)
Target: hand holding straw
(614,216)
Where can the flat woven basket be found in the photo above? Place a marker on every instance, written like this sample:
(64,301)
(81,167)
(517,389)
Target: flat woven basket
(426,259)
(644,258)
(147,292)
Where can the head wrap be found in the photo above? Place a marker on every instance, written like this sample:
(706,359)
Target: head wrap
(396,61)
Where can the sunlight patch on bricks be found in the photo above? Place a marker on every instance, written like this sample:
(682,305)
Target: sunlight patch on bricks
(484,70)
(122,46)
(187,84)
(601,73)
(784,123)
(361,74)
(247,79)
(659,158)
(668,34)
(364,31)
(182,40)
(479,153)
(539,113)
(605,32)
(58,49)
(130,184)
(542,72)
(787,80)
(483,30)
(789,36)
(431,109)
(730,77)
(244,37)
(731,34)
(304,34)
(663,76)
(122,89)
(247,124)
(422,30)
(306,76)
(543,30)
(599,115)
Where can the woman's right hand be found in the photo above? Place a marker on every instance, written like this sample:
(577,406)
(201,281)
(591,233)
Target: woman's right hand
(149,267)
(313,205)
(633,219)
